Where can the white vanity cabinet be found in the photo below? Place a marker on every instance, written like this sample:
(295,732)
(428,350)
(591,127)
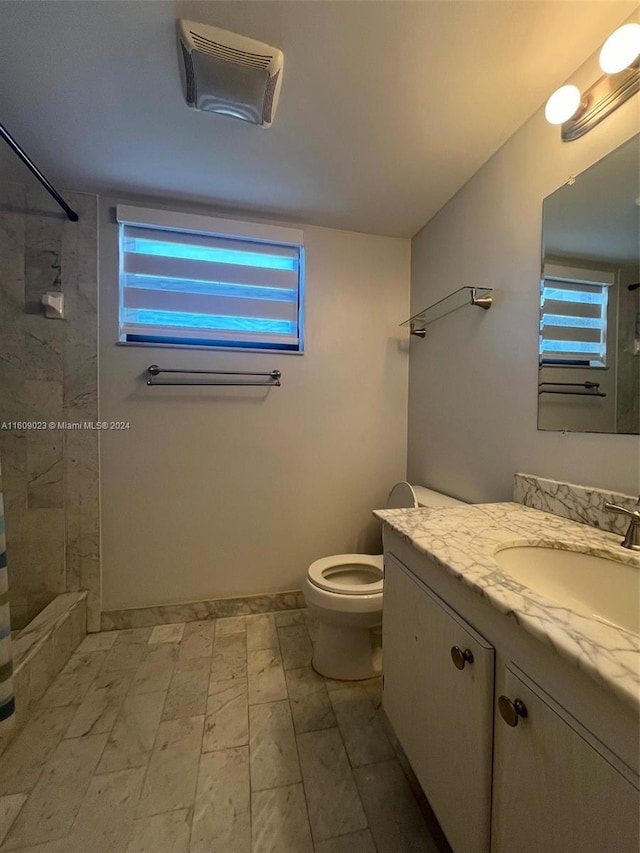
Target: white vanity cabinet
(555,786)
(442,714)
(563,779)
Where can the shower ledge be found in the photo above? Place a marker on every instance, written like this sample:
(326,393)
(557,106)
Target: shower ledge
(40,651)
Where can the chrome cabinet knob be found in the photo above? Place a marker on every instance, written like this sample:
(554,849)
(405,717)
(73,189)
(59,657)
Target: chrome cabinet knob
(460,657)
(511,711)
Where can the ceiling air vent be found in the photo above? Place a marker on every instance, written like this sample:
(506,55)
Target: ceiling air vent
(229,74)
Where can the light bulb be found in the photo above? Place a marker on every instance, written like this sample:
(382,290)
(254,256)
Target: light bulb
(621,49)
(563,104)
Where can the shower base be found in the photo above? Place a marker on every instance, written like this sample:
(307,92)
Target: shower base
(41,649)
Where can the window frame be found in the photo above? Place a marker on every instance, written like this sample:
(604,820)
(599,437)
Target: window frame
(198,224)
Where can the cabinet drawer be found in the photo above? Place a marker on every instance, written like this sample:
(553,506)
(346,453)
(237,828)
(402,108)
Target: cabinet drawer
(556,787)
(442,715)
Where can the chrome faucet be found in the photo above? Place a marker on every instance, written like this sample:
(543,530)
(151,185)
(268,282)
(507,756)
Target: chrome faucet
(632,536)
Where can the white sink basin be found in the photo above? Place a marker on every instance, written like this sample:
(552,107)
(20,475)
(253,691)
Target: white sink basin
(594,586)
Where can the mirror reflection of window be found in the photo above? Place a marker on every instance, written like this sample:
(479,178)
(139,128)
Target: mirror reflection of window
(573,316)
(589,352)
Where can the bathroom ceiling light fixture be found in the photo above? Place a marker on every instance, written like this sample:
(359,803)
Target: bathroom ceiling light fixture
(579,113)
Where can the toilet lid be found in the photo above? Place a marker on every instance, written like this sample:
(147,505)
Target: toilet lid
(348,574)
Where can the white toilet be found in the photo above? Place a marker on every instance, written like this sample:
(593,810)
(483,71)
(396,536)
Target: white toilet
(345,593)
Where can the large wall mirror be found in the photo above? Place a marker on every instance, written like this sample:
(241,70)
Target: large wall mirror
(589,350)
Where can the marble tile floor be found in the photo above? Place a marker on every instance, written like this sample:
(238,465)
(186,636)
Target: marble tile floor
(209,737)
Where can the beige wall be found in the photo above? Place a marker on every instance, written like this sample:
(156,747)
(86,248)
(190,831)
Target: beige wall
(214,494)
(473,379)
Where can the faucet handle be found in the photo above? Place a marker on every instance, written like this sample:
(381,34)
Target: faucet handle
(632,513)
(632,536)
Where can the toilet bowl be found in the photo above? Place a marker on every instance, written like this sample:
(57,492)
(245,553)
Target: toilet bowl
(345,593)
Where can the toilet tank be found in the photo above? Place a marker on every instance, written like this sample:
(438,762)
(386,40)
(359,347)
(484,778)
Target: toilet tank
(434,500)
(403,496)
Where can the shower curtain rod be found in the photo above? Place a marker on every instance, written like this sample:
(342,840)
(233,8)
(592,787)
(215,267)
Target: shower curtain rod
(4,133)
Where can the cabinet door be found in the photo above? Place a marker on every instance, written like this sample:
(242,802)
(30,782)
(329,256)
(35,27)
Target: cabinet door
(442,715)
(556,788)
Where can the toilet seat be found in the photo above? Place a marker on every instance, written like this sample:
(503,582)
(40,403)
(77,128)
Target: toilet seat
(348,574)
(344,593)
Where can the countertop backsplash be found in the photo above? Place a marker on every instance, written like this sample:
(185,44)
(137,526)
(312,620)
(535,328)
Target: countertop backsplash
(584,504)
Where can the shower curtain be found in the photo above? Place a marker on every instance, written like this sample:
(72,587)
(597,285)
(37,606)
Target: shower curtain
(7,702)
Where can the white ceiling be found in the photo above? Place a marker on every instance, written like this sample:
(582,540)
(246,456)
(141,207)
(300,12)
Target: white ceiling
(387,108)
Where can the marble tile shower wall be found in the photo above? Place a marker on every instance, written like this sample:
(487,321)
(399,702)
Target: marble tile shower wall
(48,372)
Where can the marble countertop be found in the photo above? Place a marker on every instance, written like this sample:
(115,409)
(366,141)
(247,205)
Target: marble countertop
(463,541)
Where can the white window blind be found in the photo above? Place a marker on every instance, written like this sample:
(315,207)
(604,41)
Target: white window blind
(197,280)
(573,317)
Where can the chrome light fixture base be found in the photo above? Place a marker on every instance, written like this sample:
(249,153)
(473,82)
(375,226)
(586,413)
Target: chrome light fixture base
(601,99)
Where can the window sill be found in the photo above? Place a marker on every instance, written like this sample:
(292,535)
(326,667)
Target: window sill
(245,350)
